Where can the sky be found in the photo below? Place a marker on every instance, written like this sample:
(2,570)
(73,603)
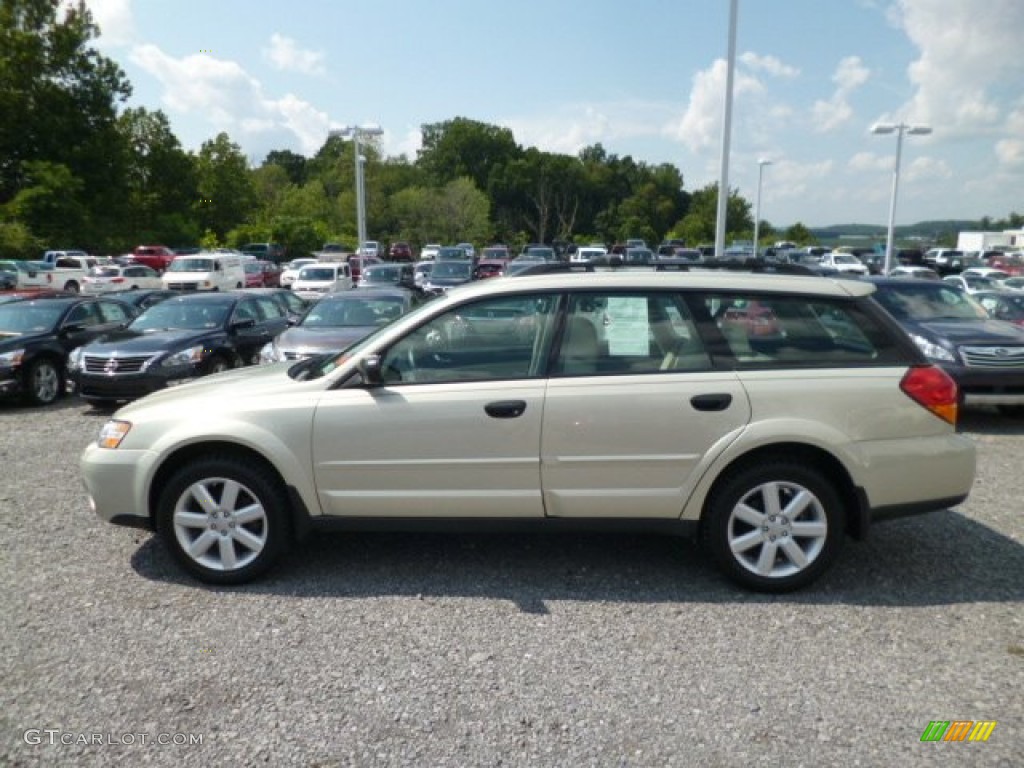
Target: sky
(644,78)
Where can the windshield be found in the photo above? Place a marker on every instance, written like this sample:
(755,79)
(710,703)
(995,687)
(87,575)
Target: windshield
(105,271)
(353,312)
(182,315)
(451,269)
(318,273)
(29,317)
(845,258)
(191,265)
(382,275)
(924,302)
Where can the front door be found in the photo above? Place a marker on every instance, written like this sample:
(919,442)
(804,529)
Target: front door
(454,431)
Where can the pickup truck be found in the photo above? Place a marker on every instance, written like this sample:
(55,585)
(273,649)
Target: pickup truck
(27,275)
(69,268)
(154,256)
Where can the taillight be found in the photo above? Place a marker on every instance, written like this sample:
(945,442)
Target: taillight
(934,389)
(117,279)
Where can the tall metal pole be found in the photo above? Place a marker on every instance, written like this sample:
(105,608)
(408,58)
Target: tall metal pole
(890,234)
(360,204)
(723,176)
(757,205)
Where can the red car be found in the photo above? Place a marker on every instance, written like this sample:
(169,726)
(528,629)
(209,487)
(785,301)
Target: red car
(262,274)
(400,251)
(154,256)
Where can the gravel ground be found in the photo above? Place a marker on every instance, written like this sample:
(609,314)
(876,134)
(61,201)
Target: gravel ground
(382,650)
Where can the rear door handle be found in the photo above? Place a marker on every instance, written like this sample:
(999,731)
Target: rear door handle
(505,409)
(714,402)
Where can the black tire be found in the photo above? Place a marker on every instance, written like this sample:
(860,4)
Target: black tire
(216,364)
(44,381)
(774,552)
(71,286)
(241,532)
(1012,411)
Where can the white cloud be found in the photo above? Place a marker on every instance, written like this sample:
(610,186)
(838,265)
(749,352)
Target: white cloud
(115,20)
(700,127)
(1010,153)
(828,115)
(285,55)
(925,169)
(768,64)
(870,162)
(231,100)
(968,53)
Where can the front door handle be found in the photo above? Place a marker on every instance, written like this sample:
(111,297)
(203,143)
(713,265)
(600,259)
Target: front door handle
(505,409)
(715,402)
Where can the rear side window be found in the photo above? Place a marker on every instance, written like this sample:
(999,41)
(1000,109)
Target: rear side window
(629,333)
(769,331)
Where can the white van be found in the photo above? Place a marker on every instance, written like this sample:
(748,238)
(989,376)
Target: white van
(314,280)
(204,271)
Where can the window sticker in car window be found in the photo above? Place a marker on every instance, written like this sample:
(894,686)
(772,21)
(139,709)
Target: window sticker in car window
(625,325)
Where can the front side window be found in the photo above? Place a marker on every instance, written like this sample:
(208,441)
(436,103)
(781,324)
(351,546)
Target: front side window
(490,339)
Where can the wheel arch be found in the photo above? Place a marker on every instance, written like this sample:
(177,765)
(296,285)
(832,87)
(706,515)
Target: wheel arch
(853,498)
(181,456)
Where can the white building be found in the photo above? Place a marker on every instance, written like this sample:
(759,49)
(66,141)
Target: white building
(1008,239)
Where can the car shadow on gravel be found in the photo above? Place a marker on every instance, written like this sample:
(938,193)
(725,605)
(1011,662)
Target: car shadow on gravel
(936,559)
(989,421)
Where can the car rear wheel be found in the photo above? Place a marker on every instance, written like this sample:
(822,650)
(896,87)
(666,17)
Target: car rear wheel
(223,520)
(775,526)
(42,382)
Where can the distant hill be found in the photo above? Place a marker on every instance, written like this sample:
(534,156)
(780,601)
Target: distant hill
(923,230)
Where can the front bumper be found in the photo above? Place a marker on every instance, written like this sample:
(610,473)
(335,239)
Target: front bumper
(130,386)
(980,386)
(114,480)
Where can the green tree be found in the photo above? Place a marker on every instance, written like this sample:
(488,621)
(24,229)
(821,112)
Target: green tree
(292,163)
(160,184)
(49,203)
(58,99)
(799,234)
(464,148)
(699,225)
(226,194)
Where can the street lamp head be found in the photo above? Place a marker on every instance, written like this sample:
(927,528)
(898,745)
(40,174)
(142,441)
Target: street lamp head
(370,129)
(883,128)
(919,130)
(764,161)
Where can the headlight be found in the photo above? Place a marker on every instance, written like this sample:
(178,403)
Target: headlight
(12,358)
(269,353)
(190,356)
(112,433)
(932,350)
(75,359)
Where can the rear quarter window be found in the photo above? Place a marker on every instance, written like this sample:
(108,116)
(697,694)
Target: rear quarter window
(768,331)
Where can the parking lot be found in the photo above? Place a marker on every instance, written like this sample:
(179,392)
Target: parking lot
(402,649)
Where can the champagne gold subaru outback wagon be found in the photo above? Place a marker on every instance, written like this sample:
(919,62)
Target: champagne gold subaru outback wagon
(769,415)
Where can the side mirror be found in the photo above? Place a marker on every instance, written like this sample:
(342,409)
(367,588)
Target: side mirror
(371,371)
(71,329)
(242,324)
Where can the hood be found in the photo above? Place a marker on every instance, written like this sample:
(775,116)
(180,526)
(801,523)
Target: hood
(969,332)
(14,340)
(220,390)
(129,342)
(322,339)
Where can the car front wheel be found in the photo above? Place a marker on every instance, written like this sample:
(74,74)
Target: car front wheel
(774,526)
(42,382)
(223,520)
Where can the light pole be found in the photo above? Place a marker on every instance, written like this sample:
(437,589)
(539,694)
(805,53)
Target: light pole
(899,129)
(757,204)
(356,133)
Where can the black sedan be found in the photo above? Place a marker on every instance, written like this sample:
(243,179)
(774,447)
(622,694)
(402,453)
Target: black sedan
(174,342)
(37,334)
(984,356)
(339,320)
(144,298)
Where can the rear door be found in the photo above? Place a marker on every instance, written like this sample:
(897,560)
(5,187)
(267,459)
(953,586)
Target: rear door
(634,410)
